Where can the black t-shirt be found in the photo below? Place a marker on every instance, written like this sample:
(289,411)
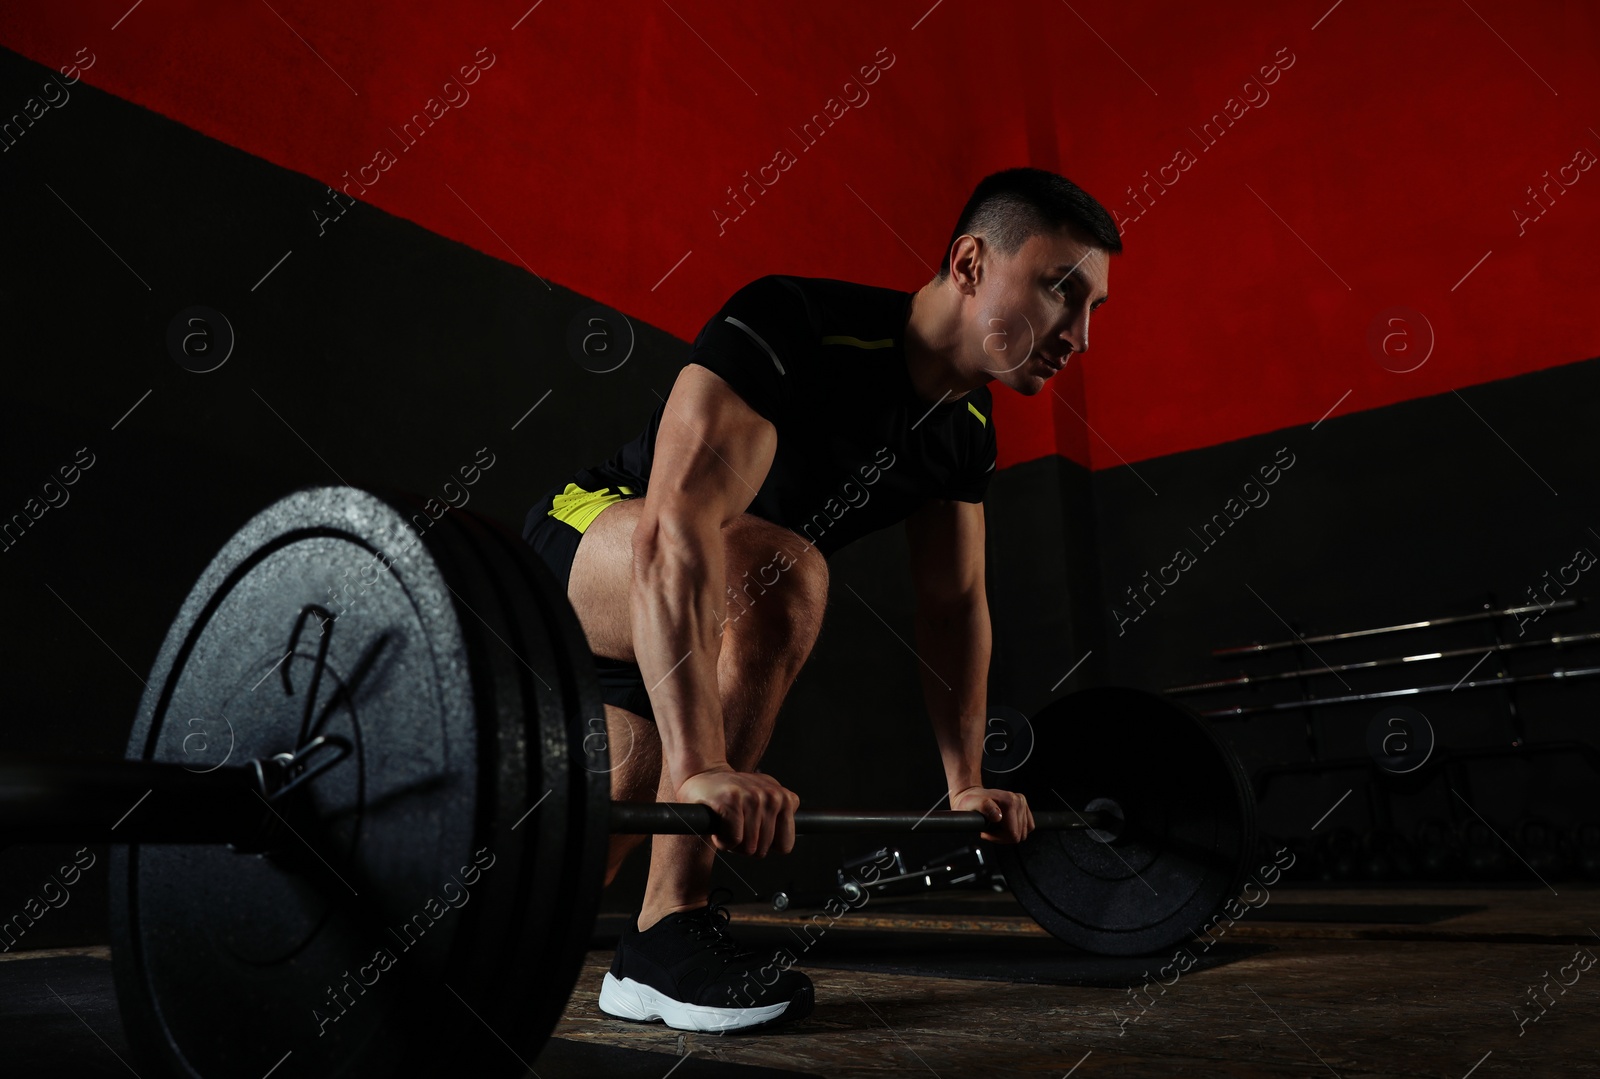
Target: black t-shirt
(858,450)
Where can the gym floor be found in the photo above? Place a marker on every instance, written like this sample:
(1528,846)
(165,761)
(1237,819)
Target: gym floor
(1391,982)
(1414,982)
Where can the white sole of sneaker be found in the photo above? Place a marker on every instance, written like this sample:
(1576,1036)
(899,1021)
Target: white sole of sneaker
(624,998)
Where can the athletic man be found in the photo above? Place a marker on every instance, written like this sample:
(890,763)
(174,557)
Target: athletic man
(811,412)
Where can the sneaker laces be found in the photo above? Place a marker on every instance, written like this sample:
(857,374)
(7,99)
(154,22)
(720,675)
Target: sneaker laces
(711,925)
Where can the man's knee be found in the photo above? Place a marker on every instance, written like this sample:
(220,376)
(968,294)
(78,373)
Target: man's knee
(776,581)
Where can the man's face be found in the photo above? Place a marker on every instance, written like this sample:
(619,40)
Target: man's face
(1032,308)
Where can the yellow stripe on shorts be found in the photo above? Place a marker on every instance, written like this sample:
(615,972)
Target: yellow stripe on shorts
(579,508)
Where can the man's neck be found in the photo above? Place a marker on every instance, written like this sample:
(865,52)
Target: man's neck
(933,346)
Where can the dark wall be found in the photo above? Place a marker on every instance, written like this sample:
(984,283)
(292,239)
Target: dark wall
(1044,593)
(1433,507)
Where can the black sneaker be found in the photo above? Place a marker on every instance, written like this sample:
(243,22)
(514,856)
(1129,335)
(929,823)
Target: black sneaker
(687,971)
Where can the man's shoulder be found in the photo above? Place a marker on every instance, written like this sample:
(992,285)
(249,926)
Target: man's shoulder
(832,288)
(829,303)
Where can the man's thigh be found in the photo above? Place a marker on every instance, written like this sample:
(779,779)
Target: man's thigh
(600,585)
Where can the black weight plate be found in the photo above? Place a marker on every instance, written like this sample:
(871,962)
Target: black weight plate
(1189,830)
(589,759)
(318,957)
(558,893)
(478,995)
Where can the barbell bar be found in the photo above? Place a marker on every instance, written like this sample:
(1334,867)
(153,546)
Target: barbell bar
(668,818)
(50,800)
(1425,623)
(362,794)
(1558,674)
(1560,640)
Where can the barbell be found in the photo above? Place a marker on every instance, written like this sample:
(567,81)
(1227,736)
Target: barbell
(362,823)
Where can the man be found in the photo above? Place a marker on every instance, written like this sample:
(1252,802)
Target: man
(811,412)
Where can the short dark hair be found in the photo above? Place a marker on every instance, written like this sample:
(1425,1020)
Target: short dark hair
(1008,207)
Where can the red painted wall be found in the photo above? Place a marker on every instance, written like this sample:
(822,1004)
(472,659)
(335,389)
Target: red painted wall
(1384,164)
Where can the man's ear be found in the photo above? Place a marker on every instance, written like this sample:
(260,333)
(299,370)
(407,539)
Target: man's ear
(966,262)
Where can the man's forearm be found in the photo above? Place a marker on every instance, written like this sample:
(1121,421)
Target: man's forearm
(954,641)
(677,639)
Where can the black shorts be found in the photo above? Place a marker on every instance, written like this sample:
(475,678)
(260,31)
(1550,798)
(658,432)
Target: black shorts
(553,528)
